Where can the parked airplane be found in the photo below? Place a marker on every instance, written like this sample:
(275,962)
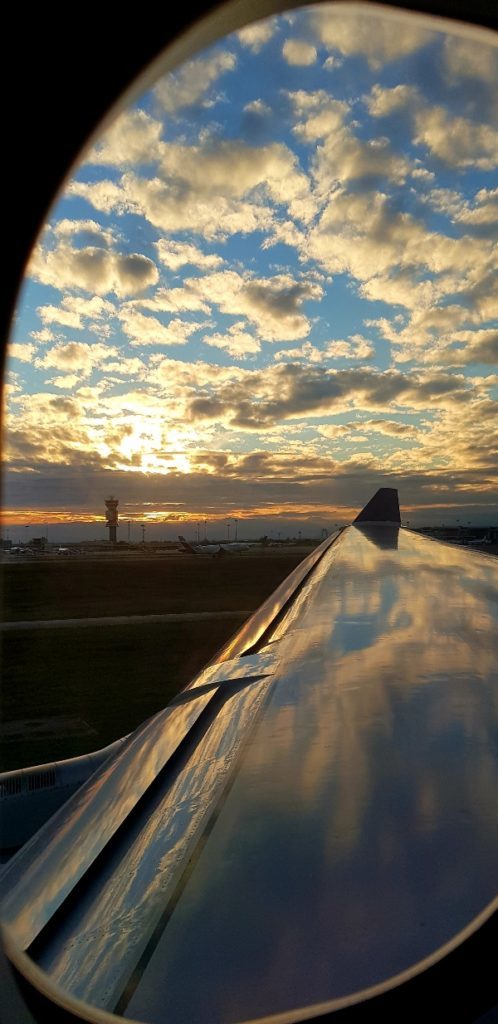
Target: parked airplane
(310,828)
(213,549)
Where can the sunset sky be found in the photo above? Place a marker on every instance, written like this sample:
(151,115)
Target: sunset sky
(270,288)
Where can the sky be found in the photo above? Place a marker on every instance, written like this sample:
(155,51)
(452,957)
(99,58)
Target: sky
(269,288)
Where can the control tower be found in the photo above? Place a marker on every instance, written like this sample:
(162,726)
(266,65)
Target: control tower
(111,516)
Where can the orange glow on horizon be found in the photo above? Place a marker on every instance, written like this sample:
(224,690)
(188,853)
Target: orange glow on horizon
(145,514)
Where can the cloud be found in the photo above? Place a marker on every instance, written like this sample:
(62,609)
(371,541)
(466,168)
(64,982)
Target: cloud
(259,108)
(173,207)
(236,341)
(66,382)
(381,102)
(387,428)
(433,334)
(44,335)
(92,269)
(189,85)
(77,356)
(233,169)
(319,114)
(379,39)
(342,155)
(148,330)
(173,300)
(257,35)
(355,347)
(273,304)
(473,347)
(123,367)
(289,391)
(74,310)
(133,138)
(483,209)
(91,229)
(366,235)
(175,254)
(105,196)
(299,53)
(332,63)
(456,141)
(469,58)
(23,351)
(423,328)
(215,189)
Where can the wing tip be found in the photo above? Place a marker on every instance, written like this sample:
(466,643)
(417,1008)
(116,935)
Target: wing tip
(382,508)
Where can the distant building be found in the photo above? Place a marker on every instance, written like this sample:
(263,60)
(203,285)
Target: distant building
(38,543)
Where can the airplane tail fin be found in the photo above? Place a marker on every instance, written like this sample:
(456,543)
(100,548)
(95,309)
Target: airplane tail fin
(186,545)
(382,508)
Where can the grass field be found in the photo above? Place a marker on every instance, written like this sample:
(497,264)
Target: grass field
(68,691)
(77,589)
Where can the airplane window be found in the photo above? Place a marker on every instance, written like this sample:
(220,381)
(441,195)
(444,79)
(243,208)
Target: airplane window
(267,289)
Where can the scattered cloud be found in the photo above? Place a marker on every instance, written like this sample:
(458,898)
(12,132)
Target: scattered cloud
(465,58)
(356,348)
(191,84)
(90,229)
(332,63)
(380,40)
(237,341)
(66,382)
(257,35)
(23,351)
(456,141)
(321,251)
(382,102)
(273,304)
(133,138)
(290,391)
(75,310)
(94,270)
(76,355)
(148,330)
(299,53)
(473,347)
(174,255)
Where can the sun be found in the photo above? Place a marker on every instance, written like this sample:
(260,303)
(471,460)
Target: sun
(148,445)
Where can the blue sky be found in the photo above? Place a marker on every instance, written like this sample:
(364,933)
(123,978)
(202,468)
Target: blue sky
(270,287)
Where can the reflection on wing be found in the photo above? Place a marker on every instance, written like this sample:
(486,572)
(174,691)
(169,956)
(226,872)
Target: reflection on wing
(311,830)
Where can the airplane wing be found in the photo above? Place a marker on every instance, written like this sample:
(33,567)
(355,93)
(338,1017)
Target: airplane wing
(310,828)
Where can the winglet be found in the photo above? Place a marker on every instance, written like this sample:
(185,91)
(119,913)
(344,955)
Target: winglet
(382,508)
